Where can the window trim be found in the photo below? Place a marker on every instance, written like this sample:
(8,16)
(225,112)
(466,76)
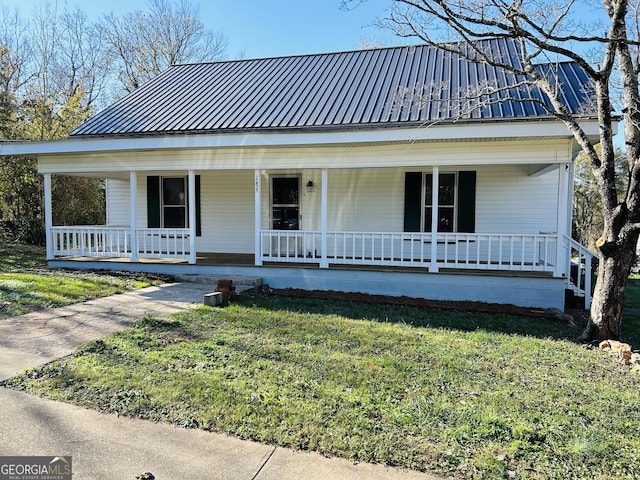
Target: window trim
(163,205)
(185,206)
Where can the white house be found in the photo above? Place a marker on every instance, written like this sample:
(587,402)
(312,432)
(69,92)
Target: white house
(324,172)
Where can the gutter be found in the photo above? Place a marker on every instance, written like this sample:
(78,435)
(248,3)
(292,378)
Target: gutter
(300,137)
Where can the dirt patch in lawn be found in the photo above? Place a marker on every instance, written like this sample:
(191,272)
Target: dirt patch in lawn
(579,316)
(156,277)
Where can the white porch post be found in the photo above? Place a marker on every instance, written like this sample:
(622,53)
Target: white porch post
(570,194)
(434,219)
(258,215)
(48,216)
(192,216)
(324,263)
(133,193)
(563,250)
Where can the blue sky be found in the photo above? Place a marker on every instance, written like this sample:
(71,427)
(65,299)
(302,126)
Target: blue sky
(264,28)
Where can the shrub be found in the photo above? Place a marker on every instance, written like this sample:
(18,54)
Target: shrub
(29,230)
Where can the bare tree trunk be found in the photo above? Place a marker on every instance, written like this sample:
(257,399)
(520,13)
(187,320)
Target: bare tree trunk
(605,321)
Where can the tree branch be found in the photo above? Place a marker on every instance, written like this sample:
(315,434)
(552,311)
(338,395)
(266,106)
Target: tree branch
(482,26)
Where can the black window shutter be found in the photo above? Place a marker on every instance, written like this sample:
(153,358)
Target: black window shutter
(153,202)
(467,202)
(198,215)
(412,201)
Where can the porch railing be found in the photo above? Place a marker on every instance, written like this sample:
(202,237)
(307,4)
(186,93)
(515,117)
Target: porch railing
(91,241)
(453,250)
(162,242)
(580,279)
(115,241)
(510,252)
(535,253)
(292,246)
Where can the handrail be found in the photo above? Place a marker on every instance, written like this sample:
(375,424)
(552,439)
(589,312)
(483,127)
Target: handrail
(582,287)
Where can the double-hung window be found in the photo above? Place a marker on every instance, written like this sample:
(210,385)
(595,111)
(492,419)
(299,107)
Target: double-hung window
(447,186)
(174,202)
(456,202)
(167,202)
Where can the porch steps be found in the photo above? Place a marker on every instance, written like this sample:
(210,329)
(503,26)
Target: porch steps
(575,290)
(574,297)
(241,282)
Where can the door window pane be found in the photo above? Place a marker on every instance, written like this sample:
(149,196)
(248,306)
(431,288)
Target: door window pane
(285,218)
(285,206)
(285,191)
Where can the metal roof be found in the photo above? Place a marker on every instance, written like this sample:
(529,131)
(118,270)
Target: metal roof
(366,88)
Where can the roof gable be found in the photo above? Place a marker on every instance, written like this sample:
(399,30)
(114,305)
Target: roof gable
(364,88)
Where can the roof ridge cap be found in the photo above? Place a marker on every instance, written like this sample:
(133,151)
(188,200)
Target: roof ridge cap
(319,54)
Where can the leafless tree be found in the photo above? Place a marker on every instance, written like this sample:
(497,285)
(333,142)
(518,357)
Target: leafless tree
(15,57)
(144,43)
(83,61)
(57,66)
(604,40)
(52,70)
(70,66)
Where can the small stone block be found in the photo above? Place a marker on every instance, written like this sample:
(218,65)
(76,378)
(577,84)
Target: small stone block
(212,299)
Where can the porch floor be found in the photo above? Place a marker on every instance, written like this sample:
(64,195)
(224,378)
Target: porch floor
(248,260)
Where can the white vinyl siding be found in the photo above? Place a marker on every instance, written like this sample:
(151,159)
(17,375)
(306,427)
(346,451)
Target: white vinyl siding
(508,200)
(361,200)
(117,196)
(227,212)
(367,200)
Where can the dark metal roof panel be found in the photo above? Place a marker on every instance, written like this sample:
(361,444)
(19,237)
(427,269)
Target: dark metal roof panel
(400,85)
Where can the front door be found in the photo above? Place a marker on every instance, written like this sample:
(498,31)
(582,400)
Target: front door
(285,215)
(285,203)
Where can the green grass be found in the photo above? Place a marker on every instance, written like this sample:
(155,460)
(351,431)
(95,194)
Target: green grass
(631,313)
(632,293)
(465,395)
(459,394)
(26,285)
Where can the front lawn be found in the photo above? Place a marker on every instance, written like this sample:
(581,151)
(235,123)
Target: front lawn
(465,395)
(26,284)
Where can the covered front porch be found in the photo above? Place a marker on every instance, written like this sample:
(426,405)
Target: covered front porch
(542,254)
(517,256)
(500,252)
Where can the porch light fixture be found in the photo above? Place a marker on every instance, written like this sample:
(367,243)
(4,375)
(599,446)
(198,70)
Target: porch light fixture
(310,186)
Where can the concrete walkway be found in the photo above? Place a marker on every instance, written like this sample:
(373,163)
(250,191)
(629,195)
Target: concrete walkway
(107,446)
